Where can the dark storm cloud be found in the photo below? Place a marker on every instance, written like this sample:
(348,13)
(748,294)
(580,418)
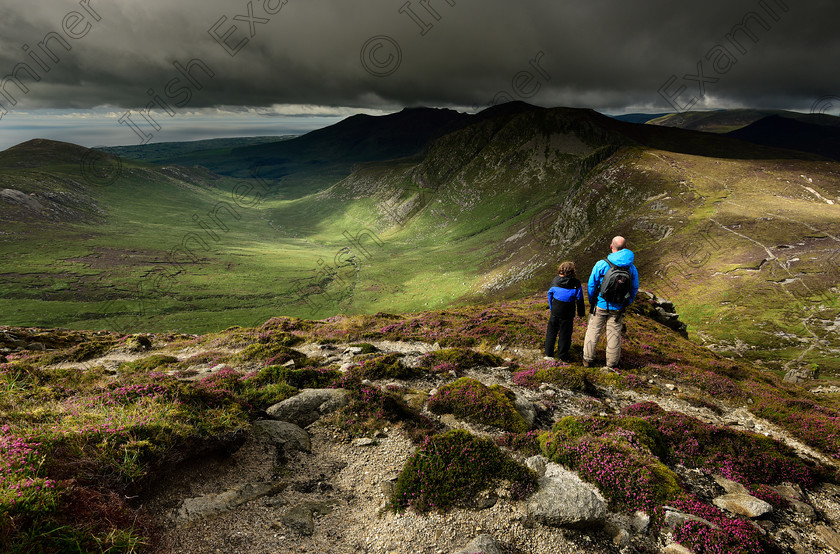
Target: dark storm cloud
(601,54)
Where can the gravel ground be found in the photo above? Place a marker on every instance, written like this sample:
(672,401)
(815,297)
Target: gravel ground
(352,477)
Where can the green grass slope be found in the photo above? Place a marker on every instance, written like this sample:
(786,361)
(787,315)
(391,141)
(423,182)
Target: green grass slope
(741,237)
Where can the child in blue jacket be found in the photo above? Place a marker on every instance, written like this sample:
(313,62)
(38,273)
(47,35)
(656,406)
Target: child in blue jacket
(564,298)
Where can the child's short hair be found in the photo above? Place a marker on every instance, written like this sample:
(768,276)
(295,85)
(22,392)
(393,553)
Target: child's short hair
(567,269)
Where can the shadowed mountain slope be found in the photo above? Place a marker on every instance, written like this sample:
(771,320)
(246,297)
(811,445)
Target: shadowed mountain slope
(783,132)
(724,121)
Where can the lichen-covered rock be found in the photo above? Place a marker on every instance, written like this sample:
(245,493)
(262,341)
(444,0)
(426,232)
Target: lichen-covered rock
(282,433)
(743,504)
(563,499)
(308,406)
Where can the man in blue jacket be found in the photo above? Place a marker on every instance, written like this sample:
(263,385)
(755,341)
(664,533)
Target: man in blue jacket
(610,313)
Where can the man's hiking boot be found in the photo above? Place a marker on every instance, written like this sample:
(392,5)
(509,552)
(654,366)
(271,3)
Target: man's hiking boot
(588,363)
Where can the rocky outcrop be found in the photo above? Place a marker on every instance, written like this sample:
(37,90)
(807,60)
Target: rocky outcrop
(801,375)
(564,499)
(27,200)
(663,311)
(308,406)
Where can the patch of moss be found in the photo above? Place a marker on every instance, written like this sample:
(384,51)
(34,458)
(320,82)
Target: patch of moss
(384,367)
(306,377)
(147,364)
(458,359)
(473,401)
(452,468)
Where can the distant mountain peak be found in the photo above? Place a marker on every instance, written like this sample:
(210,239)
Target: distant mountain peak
(40,152)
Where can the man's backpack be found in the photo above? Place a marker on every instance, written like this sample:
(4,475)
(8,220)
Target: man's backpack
(617,284)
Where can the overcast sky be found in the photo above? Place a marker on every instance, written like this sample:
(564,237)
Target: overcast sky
(274,67)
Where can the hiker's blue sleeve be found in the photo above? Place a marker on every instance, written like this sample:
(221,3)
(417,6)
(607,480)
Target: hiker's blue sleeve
(635,290)
(594,279)
(549,298)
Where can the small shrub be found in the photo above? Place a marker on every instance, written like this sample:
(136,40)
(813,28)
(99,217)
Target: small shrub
(268,395)
(452,468)
(748,458)
(473,401)
(524,443)
(278,338)
(137,343)
(371,408)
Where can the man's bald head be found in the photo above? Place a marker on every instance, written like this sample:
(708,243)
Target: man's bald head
(618,243)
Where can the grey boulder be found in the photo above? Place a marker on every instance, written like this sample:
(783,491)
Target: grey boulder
(308,406)
(282,433)
(564,499)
